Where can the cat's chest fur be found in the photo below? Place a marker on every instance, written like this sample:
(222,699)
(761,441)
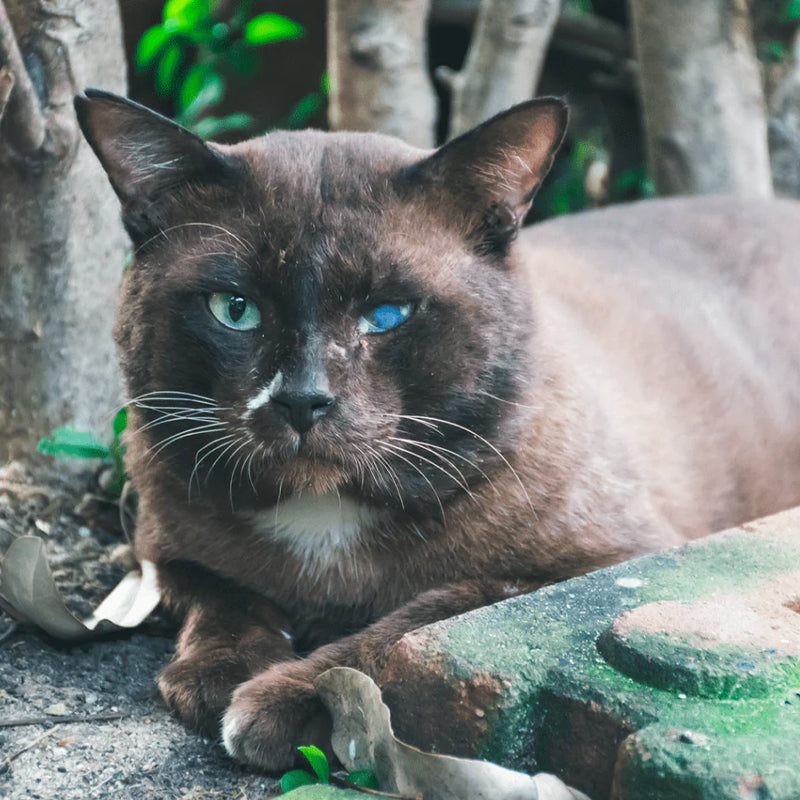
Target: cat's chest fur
(320,530)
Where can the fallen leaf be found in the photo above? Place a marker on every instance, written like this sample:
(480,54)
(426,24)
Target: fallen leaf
(362,738)
(29,594)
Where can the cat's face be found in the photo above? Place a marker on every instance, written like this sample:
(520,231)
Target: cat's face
(315,312)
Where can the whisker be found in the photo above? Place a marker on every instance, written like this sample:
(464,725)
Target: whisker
(196,431)
(214,444)
(164,231)
(391,473)
(173,394)
(509,402)
(431,447)
(462,483)
(435,420)
(425,478)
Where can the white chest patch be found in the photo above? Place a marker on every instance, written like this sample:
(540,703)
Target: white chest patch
(318,528)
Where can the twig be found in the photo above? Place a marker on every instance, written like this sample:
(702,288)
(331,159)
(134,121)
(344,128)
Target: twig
(25,124)
(345,784)
(11,759)
(6,85)
(60,719)
(9,632)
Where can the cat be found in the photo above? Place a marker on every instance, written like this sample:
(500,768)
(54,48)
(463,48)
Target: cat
(364,399)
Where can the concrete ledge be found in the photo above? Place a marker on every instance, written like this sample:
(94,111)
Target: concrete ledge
(325,792)
(673,675)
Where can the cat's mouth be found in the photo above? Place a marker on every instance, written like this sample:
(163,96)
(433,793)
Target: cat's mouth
(310,474)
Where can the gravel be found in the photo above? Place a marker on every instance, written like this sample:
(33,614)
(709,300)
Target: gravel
(85,721)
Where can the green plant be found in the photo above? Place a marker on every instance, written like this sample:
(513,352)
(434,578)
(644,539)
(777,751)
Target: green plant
(791,11)
(322,774)
(66,442)
(568,193)
(196,48)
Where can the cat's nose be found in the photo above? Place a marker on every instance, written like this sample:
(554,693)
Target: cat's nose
(301,409)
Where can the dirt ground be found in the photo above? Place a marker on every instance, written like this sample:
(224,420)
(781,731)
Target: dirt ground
(85,721)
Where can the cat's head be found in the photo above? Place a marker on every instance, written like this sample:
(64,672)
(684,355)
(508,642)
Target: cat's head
(325,311)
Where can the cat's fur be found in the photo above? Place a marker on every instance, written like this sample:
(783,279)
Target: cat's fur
(591,389)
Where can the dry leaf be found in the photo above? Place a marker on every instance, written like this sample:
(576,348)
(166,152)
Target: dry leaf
(362,739)
(29,593)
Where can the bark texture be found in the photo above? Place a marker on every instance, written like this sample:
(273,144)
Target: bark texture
(62,246)
(703,104)
(504,61)
(377,62)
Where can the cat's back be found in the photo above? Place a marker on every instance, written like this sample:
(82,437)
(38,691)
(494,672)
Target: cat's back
(701,241)
(701,270)
(680,319)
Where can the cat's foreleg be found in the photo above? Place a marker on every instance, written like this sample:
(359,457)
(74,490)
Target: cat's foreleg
(228,635)
(278,709)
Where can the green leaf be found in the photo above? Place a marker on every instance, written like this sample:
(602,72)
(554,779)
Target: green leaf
(303,111)
(187,12)
(773,51)
(295,779)
(318,761)
(363,777)
(791,11)
(120,422)
(268,28)
(325,83)
(68,443)
(167,69)
(193,84)
(149,46)
(209,95)
(210,127)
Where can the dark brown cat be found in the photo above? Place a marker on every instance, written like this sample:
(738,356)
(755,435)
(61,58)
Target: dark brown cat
(361,402)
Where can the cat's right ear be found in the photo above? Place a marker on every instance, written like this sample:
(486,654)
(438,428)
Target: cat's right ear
(145,156)
(492,172)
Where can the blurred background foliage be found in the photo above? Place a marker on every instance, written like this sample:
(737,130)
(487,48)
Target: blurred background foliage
(230,69)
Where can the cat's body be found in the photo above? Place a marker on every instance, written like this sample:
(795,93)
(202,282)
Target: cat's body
(604,386)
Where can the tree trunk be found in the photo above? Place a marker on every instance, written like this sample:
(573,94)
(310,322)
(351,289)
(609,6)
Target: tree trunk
(703,104)
(62,246)
(504,60)
(377,62)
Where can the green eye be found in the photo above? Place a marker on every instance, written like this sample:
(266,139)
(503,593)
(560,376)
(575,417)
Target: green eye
(234,311)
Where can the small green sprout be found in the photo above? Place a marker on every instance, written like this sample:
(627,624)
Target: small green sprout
(322,774)
(68,443)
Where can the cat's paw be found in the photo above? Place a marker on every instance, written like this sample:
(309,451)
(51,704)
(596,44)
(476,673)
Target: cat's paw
(197,689)
(271,715)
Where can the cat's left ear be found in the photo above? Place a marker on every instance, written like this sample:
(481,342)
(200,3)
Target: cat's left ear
(494,170)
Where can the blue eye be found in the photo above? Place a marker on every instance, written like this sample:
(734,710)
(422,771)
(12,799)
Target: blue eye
(234,311)
(384,318)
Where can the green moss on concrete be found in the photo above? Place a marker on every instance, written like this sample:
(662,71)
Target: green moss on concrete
(742,706)
(669,762)
(721,672)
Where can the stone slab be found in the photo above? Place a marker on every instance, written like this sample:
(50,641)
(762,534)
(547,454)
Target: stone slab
(675,675)
(319,791)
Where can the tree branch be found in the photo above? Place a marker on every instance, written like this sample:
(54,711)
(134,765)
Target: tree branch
(378,68)
(6,85)
(24,123)
(504,61)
